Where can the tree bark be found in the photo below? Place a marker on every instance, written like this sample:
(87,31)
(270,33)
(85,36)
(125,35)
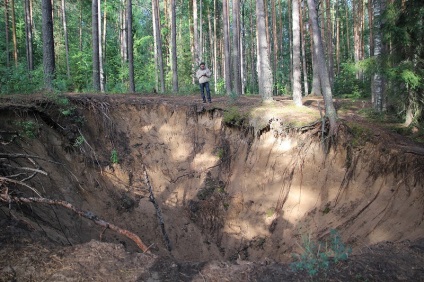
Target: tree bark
(274,41)
(330,42)
(227,54)
(215,45)
(174,47)
(29,37)
(95,43)
(378,79)
(6,22)
(195,34)
(99,41)
(303,43)
(15,43)
(158,39)
(296,85)
(371,25)
(130,47)
(357,33)
(80,27)
(264,69)
(236,48)
(65,33)
(330,111)
(316,84)
(48,44)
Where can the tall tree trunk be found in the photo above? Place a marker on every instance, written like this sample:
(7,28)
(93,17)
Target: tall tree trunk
(6,22)
(104,32)
(123,33)
(330,111)
(303,43)
(29,37)
(330,42)
(357,33)
(337,45)
(227,55)
(15,43)
(253,66)
(158,39)
(95,43)
(48,44)
(130,47)
(215,45)
(195,35)
(347,29)
(80,27)
(296,86)
(377,79)
(65,33)
(316,84)
(268,38)
(101,71)
(274,41)
(371,25)
(243,61)
(264,69)
(174,47)
(201,31)
(155,47)
(236,48)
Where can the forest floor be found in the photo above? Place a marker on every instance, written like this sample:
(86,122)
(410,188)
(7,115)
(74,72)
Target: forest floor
(28,254)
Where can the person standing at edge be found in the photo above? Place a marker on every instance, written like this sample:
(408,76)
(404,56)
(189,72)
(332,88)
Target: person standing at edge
(203,74)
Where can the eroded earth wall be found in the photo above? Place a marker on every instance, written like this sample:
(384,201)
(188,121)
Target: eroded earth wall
(224,192)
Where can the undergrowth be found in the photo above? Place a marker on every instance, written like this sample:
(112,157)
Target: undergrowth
(317,256)
(233,117)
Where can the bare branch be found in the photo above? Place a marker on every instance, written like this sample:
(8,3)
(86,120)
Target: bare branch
(87,214)
(27,168)
(21,184)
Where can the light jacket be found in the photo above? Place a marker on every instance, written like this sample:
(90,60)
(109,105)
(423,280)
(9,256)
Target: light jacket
(203,75)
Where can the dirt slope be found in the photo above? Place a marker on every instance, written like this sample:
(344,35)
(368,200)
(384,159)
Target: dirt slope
(243,194)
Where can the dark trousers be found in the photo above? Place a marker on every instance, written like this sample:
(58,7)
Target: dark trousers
(208,91)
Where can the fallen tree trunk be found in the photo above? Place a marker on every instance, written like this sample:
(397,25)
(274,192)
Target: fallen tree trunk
(87,214)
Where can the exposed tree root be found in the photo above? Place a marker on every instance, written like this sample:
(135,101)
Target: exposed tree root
(158,211)
(5,197)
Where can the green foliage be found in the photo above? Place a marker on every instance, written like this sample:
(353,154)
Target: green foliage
(19,80)
(114,157)
(234,117)
(220,153)
(317,256)
(233,97)
(346,85)
(270,212)
(79,141)
(360,134)
(28,128)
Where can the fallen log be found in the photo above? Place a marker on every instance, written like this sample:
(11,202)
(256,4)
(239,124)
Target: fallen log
(87,214)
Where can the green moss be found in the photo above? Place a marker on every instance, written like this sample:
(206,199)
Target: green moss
(234,117)
(360,134)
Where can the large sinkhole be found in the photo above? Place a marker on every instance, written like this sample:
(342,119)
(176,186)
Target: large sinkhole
(224,188)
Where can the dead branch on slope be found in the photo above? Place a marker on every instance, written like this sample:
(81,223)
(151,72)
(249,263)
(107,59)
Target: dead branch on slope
(158,211)
(6,197)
